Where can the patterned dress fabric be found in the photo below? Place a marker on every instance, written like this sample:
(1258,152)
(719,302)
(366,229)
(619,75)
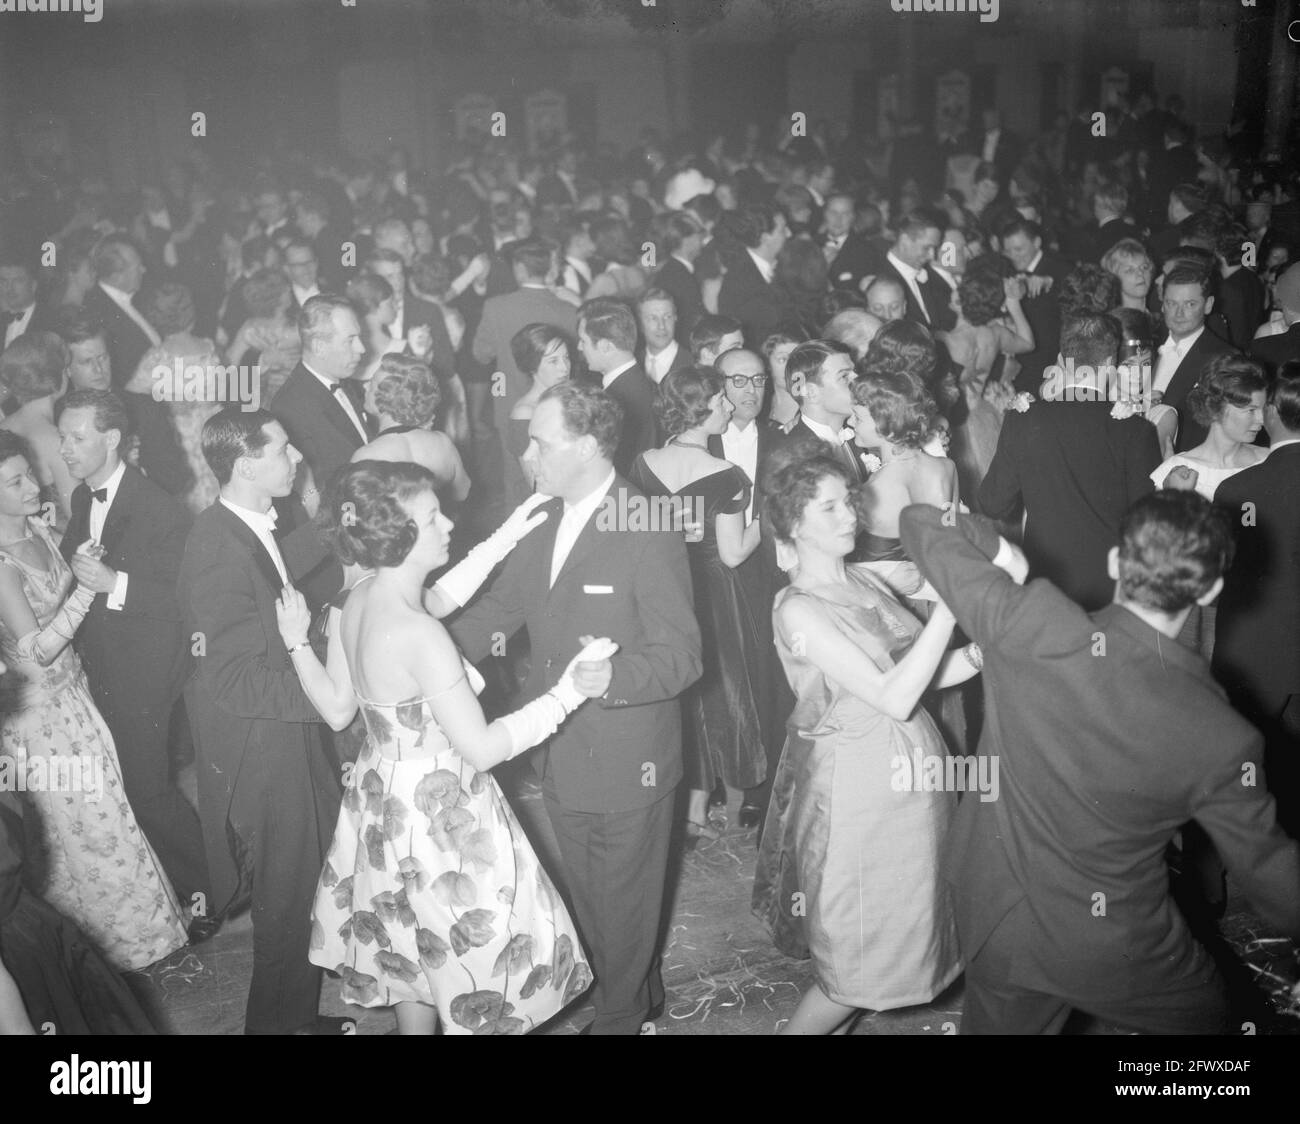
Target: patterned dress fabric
(431,892)
(86,854)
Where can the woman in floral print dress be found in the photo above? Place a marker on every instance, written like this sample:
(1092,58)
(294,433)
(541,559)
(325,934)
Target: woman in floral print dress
(432,899)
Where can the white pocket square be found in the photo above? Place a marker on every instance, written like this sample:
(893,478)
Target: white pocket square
(597,589)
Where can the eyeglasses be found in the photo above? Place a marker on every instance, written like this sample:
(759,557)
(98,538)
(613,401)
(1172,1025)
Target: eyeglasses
(741,381)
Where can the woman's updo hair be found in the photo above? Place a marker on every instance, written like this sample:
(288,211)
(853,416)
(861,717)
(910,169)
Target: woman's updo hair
(791,481)
(530,344)
(1226,380)
(362,518)
(407,391)
(684,396)
(982,296)
(11,445)
(368,291)
(899,403)
(904,345)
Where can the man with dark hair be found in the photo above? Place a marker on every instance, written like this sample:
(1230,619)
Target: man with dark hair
(89,365)
(850,257)
(1273,351)
(607,340)
(1022,246)
(301,268)
(1071,466)
(313,220)
(268,789)
(927,294)
(1176,163)
(1257,632)
(131,643)
(609,775)
(320,405)
(20,311)
(1182,357)
(713,335)
(1109,208)
(820,376)
(1180,201)
(747,292)
(416,312)
(1108,735)
(659,352)
(1242,298)
(683,239)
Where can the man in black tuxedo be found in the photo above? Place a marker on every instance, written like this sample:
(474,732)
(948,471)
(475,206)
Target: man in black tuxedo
(301,268)
(268,790)
(820,375)
(1257,634)
(1022,246)
(20,311)
(683,239)
(120,270)
(749,442)
(131,643)
(1073,467)
(747,292)
(1109,207)
(607,340)
(609,775)
(415,312)
(659,352)
(849,256)
(927,294)
(1108,736)
(320,405)
(1182,357)
(1274,351)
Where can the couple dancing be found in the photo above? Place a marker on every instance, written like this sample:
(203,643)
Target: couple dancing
(431,898)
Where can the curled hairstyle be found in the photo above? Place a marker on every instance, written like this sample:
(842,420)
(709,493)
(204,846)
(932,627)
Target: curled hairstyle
(11,445)
(1173,545)
(232,433)
(1226,380)
(900,404)
(982,296)
(684,396)
(530,344)
(588,411)
(791,481)
(406,391)
(1089,288)
(32,366)
(904,345)
(364,518)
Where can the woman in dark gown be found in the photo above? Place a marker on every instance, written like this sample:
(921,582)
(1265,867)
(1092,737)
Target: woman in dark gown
(708,498)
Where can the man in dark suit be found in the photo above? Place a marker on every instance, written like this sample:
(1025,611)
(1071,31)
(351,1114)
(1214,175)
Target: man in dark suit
(20,311)
(1073,467)
(607,340)
(1242,298)
(659,352)
(1181,202)
(997,146)
(533,262)
(927,294)
(1175,164)
(414,312)
(749,442)
(1257,634)
(131,642)
(1108,735)
(1182,357)
(747,292)
(301,268)
(1109,207)
(120,272)
(608,776)
(313,220)
(820,375)
(1022,246)
(268,791)
(683,239)
(850,257)
(320,405)
(1275,350)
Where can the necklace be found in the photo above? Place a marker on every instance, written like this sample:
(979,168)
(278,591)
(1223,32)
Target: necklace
(15,542)
(688,444)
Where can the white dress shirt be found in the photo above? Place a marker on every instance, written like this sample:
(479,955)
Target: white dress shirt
(302,296)
(991,139)
(262,524)
(19,326)
(575,517)
(689,267)
(657,366)
(609,376)
(825,432)
(98,515)
(765,267)
(740,447)
(1172,353)
(123,301)
(577,275)
(912,278)
(340,396)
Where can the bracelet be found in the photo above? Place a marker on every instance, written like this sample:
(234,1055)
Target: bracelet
(297,647)
(974,656)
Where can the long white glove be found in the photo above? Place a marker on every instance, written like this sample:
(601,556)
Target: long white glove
(461,582)
(42,645)
(532,724)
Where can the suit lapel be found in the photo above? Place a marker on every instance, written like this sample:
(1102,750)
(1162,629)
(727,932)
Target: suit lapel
(546,548)
(337,415)
(78,521)
(261,558)
(119,515)
(585,542)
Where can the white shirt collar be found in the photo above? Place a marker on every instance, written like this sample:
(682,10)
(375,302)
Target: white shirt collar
(112,484)
(689,267)
(328,384)
(1033,265)
(1279,444)
(302,296)
(119,296)
(609,376)
(586,507)
(765,267)
(262,522)
(1181,347)
(741,438)
(907,272)
(825,432)
(659,364)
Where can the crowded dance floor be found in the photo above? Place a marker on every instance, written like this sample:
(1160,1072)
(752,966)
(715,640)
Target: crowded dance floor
(628,517)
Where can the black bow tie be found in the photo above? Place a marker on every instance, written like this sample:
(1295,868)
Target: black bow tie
(100,495)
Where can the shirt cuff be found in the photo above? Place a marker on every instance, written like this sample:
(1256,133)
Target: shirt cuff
(1005,555)
(117,599)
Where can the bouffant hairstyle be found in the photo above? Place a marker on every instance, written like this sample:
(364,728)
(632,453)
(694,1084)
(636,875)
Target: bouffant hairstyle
(588,411)
(32,366)
(902,408)
(1226,380)
(364,518)
(1173,545)
(407,391)
(368,291)
(170,309)
(775,340)
(264,292)
(982,296)
(11,445)
(791,481)
(904,345)
(530,344)
(684,396)
(1089,288)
